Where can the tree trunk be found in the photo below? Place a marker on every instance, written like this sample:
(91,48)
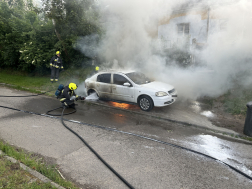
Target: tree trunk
(59,38)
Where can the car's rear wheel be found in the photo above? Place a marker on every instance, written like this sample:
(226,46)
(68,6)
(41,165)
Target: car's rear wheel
(145,103)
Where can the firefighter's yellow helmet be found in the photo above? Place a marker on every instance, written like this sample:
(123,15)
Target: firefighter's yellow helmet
(72,86)
(57,52)
(97,68)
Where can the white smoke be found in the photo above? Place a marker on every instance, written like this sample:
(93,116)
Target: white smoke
(37,3)
(130,41)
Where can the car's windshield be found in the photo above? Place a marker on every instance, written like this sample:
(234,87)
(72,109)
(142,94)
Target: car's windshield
(138,78)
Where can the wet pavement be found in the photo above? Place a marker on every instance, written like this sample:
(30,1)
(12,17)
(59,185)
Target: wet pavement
(191,113)
(143,163)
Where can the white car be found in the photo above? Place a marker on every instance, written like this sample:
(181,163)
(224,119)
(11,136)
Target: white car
(131,87)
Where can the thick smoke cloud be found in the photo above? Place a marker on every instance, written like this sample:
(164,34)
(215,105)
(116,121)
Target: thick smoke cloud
(130,42)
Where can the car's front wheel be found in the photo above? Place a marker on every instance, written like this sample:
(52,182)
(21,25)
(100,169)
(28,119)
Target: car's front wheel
(145,103)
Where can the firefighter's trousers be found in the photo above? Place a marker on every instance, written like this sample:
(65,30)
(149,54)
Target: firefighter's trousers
(68,103)
(54,73)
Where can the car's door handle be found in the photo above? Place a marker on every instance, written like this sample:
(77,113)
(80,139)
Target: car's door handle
(114,87)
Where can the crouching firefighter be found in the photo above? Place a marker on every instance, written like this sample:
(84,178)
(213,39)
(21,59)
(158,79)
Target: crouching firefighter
(68,96)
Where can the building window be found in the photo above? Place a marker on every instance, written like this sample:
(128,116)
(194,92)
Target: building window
(183,28)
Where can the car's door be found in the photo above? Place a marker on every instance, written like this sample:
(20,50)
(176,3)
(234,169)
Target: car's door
(103,85)
(121,92)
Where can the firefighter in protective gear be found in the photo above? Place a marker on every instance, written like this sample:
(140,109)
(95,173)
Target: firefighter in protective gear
(97,68)
(56,63)
(68,95)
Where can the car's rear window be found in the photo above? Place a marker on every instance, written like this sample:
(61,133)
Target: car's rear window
(104,78)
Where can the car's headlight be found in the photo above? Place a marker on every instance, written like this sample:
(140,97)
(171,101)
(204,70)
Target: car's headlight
(161,93)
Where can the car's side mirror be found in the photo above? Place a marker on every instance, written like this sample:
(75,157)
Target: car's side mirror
(127,84)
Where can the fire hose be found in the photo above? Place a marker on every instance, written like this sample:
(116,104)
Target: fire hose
(115,130)
(90,148)
(62,121)
(96,154)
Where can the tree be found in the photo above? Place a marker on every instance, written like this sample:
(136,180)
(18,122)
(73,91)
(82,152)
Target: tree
(26,38)
(30,36)
(72,19)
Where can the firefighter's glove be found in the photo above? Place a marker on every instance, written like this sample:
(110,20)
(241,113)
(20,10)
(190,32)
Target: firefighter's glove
(73,98)
(80,98)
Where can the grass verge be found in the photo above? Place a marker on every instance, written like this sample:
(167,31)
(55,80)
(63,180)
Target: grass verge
(36,84)
(32,162)
(12,176)
(235,101)
(22,80)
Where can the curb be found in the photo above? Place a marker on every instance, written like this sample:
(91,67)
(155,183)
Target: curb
(31,171)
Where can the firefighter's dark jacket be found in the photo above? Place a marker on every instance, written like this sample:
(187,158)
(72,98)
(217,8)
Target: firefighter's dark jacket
(56,62)
(67,93)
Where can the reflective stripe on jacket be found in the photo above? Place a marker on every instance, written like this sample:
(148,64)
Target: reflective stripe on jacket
(67,93)
(56,62)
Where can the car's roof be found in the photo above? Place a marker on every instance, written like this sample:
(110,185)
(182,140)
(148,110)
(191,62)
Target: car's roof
(117,71)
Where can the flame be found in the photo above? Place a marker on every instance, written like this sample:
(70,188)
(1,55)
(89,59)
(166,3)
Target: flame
(120,105)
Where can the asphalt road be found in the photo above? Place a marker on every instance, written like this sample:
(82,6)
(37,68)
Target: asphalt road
(143,163)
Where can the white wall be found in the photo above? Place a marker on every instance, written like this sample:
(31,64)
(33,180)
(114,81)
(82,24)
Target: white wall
(198,29)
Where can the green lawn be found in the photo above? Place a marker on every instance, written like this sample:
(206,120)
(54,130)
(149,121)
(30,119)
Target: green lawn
(21,80)
(37,84)
(11,176)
